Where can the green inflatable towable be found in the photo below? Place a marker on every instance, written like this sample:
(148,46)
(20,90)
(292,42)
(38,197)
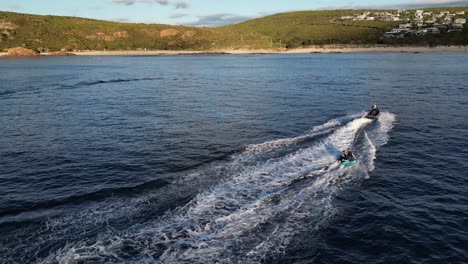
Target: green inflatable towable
(348,162)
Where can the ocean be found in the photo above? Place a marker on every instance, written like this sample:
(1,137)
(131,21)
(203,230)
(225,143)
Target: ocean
(232,159)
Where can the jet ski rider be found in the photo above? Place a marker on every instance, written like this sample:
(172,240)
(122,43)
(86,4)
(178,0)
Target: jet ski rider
(347,155)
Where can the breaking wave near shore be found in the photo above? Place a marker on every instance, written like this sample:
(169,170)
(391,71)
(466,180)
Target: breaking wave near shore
(247,208)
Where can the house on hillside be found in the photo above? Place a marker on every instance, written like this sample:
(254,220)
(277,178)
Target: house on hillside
(460,13)
(395,33)
(447,20)
(390,18)
(405,26)
(442,14)
(431,20)
(362,16)
(460,21)
(432,30)
(418,21)
(442,28)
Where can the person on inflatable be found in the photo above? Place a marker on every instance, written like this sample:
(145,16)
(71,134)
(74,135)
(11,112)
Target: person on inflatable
(346,155)
(349,155)
(342,156)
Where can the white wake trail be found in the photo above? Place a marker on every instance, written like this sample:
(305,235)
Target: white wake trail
(314,132)
(250,215)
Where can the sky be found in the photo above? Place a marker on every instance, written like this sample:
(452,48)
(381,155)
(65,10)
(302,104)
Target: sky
(207,13)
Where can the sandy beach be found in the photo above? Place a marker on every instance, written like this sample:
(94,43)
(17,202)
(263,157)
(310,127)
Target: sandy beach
(324,49)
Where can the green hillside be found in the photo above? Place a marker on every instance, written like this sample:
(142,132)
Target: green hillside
(305,28)
(286,30)
(314,28)
(55,33)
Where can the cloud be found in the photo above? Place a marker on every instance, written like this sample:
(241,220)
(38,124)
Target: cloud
(14,7)
(124,2)
(175,4)
(180,4)
(410,5)
(429,3)
(96,8)
(122,20)
(435,3)
(161,2)
(180,15)
(217,20)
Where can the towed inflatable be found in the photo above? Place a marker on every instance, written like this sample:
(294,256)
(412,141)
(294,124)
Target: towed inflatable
(348,163)
(347,158)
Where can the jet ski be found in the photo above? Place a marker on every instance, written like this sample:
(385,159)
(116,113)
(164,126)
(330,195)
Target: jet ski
(373,113)
(347,158)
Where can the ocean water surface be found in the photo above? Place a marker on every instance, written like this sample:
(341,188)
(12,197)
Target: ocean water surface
(232,159)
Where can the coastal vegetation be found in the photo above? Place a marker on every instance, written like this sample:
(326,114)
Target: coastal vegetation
(285,30)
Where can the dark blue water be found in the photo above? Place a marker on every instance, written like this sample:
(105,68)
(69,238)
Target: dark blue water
(231,159)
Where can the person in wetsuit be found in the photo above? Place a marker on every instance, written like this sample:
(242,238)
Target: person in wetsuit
(349,155)
(346,155)
(375,111)
(343,156)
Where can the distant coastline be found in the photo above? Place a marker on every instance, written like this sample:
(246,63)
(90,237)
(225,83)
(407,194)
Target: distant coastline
(288,32)
(324,49)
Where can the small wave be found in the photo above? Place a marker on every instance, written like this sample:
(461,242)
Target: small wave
(7,92)
(33,210)
(26,89)
(92,83)
(35,89)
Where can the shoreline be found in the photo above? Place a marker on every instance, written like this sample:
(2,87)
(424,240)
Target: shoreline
(324,49)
